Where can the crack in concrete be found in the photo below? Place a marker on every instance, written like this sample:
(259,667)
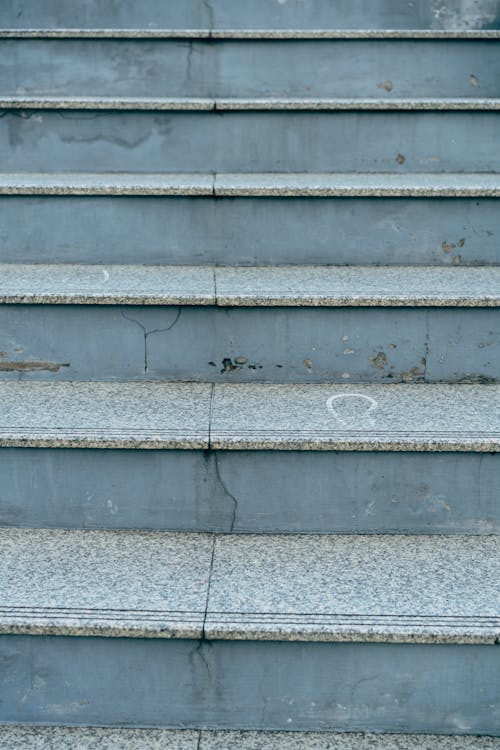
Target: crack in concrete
(426,346)
(226,490)
(147,333)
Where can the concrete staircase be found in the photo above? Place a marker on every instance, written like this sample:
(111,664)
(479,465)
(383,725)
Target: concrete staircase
(249,375)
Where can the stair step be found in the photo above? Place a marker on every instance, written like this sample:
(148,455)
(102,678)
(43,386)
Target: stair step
(251,416)
(90,738)
(265,286)
(285,588)
(253,33)
(418,185)
(257,103)
(142,142)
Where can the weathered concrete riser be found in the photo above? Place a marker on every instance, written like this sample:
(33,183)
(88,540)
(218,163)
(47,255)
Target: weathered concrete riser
(316,686)
(251,491)
(185,68)
(102,141)
(249,230)
(214,344)
(260,14)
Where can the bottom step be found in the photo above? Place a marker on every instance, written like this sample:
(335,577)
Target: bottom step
(79,738)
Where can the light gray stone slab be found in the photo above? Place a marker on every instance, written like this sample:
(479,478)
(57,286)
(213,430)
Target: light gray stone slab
(127,583)
(284,103)
(122,102)
(419,589)
(276,103)
(358,286)
(356,417)
(83,738)
(217,33)
(117,183)
(113,284)
(104,415)
(387,185)
(341,741)
(99,738)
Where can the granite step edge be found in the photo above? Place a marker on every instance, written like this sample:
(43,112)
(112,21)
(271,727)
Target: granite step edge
(38,737)
(278,103)
(264,286)
(247,34)
(392,185)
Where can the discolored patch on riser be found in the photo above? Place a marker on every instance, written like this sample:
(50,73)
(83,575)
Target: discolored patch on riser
(242,141)
(251,491)
(183,230)
(250,685)
(276,344)
(248,68)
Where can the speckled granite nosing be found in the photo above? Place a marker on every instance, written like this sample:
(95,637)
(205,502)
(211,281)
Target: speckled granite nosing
(88,738)
(382,184)
(220,740)
(99,738)
(358,286)
(111,284)
(120,584)
(418,589)
(105,738)
(204,33)
(110,183)
(256,103)
(370,588)
(376,184)
(356,417)
(105,415)
(265,286)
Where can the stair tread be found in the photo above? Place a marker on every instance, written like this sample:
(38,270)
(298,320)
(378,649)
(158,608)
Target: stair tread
(253,184)
(251,587)
(355,417)
(104,738)
(246,33)
(248,103)
(263,286)
(105,415)
(251,416)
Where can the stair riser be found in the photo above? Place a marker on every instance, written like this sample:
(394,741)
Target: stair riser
(248,491)
(281,345)
(249,141)
(261,14)
(367,687)
(363,68)
(249,230)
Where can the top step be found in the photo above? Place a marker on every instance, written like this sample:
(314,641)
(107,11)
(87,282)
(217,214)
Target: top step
(258,19)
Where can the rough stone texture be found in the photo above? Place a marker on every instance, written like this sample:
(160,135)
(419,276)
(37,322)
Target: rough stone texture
(114,284)
(345,286)
(104,415)
(340,741)
(359,185)
(334,588)
(97,738)
(103,583)
(391,589)
(81,183)
(101,33)
(258,103)
(265,286)
(88,738)
(263,184)
(356,417)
